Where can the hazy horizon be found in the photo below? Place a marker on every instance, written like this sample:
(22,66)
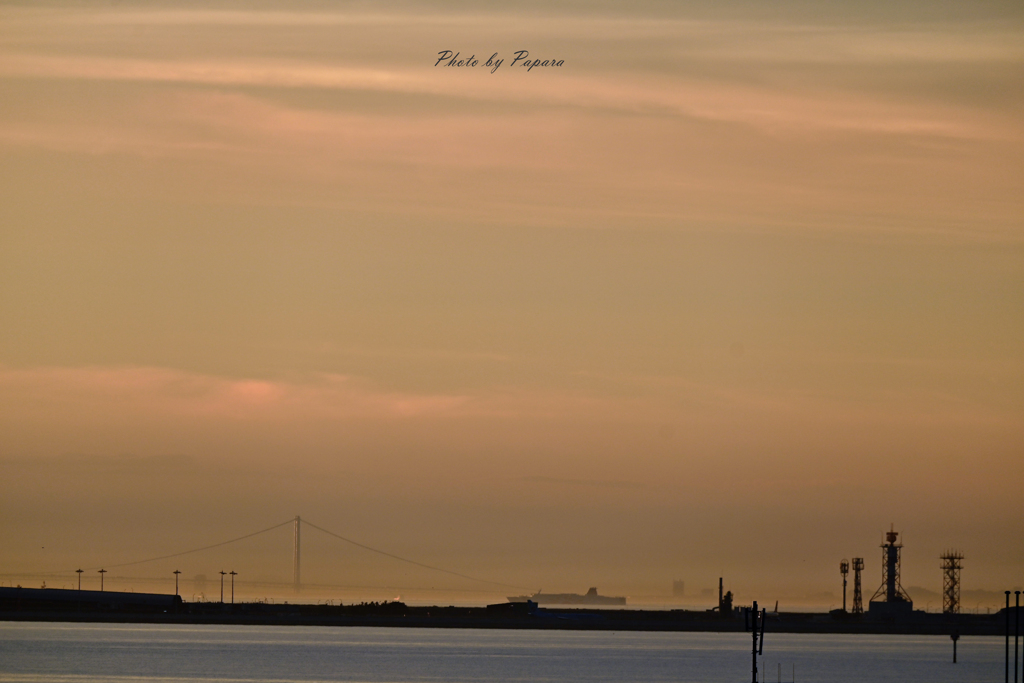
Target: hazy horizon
(728,293)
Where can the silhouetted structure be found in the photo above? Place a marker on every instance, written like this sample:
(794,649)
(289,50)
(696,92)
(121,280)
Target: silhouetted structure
(724,601)
(951,581)
(296,574)
(63,600)
(844,569)
(755,620)
(858,599)
(590,598)
(1016,633)
(890,598)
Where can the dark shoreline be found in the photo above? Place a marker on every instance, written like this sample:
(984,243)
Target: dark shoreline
(399,615)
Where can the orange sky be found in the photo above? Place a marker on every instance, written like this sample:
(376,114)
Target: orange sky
(728,293)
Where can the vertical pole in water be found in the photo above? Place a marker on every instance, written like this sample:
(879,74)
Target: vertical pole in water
(1006,676)
(1016,632)
(296,576)
(753,624)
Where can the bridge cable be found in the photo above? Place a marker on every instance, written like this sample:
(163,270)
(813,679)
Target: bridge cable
(196,550)
(402,559)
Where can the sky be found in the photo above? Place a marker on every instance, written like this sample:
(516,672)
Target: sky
(726,293)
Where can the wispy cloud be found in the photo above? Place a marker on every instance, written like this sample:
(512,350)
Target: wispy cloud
(759,106)
(674,120)
(164,393)
(981,37)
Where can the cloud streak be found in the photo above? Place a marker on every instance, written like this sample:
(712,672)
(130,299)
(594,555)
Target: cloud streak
(755,106)
(165,394)
(168,394)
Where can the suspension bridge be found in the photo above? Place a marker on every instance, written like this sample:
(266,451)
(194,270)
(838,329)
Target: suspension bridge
(297,524)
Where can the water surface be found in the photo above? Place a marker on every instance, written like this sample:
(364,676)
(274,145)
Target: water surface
(145,653)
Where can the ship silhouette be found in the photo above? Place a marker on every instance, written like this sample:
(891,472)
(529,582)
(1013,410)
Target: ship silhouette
(591,598)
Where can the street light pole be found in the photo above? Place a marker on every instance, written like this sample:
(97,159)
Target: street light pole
(233,575)
(176,572)
(79,572)
(222,573)
(104,571)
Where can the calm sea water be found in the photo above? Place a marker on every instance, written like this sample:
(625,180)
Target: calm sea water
(88,653)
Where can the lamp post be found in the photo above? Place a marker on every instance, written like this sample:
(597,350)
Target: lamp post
(222,573)
(176,572)
(233,575)
(79,572)
(104,571)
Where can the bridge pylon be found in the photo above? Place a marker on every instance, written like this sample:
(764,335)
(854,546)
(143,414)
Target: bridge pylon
(296,556)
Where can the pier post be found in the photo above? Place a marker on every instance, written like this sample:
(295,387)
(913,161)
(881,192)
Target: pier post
(753,629)
(1006,675)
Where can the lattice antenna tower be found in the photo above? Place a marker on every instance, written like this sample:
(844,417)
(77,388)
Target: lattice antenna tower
(891,590)
(951,581)
(858,597)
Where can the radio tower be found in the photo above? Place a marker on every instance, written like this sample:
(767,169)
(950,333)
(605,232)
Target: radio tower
(844,569)
(858,600)
(951,581)
(891,590)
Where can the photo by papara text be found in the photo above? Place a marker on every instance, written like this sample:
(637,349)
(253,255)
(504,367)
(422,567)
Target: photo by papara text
(520,58)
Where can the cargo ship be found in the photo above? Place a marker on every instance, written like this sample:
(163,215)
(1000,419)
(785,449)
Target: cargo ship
(591,598)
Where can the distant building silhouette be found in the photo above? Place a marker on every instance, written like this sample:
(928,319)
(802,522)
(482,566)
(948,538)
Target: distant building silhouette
(724,601)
